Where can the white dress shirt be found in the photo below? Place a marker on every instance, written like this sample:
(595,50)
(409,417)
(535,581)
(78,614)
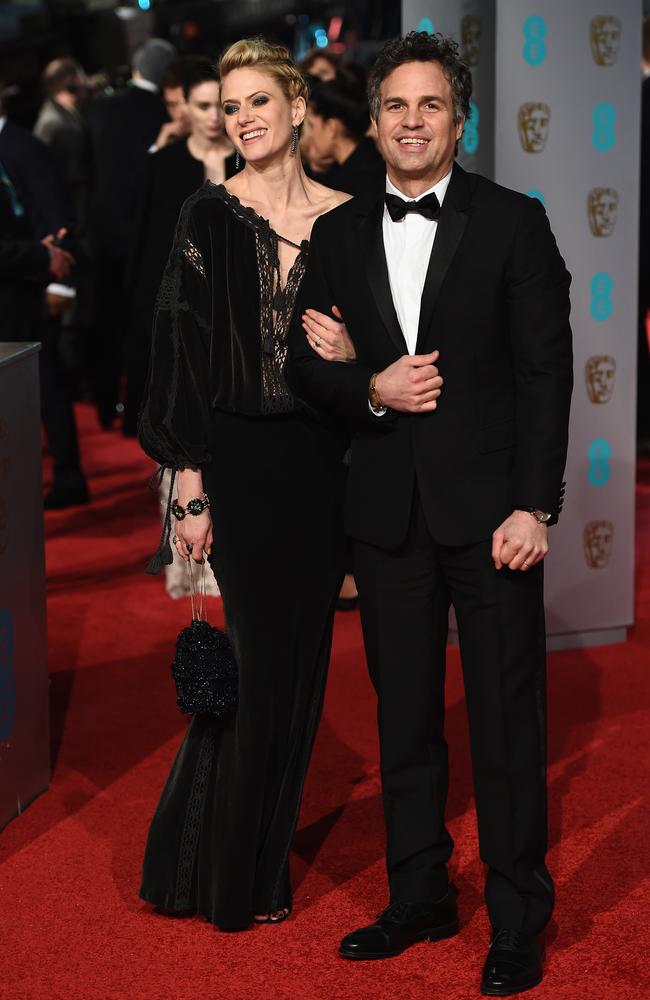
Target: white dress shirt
(408,244)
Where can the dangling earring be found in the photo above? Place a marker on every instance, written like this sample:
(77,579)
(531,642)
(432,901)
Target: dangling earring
(237,160)
(295,133)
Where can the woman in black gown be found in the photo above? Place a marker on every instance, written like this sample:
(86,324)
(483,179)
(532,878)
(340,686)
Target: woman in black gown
(218,408)
(170,175)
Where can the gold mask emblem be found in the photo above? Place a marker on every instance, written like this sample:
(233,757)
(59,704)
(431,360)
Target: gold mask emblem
(534,118)
(605,34)
(602,205)
(470,39)
(600,372)
(598,538)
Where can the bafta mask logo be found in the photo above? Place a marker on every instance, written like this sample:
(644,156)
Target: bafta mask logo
(605,33)
(470,39)
(602,205)
(600,372)
(598,538)
(534,118)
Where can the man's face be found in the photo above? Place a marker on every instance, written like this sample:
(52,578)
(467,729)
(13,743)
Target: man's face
(416,131)
(175,103)
(602,204)
(534,119)
(470,35)
(598,537)
(605,37)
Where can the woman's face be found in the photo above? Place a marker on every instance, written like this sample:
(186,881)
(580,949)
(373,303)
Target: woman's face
(204,111)
(321,134)
(257,114)
(323,69)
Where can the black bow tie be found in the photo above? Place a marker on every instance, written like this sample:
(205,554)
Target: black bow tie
(429,207)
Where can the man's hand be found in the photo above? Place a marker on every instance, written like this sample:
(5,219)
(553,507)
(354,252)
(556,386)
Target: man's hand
(171,132)
(60,260)
(520,542)
(411,384)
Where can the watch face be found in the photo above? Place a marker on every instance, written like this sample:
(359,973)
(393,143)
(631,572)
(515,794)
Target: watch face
(541,516)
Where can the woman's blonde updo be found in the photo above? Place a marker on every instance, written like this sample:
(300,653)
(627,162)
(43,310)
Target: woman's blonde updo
(276,60)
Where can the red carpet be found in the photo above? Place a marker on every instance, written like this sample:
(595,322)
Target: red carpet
(71,924)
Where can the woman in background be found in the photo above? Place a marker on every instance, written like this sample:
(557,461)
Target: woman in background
(338,121)
(171,175)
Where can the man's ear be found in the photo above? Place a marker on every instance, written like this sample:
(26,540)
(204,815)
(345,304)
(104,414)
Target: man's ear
(460,125)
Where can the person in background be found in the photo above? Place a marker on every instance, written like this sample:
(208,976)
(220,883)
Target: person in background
(338,120)
(320,63)
(178,125)
(27,264)
(62,128)
(123,128)
(170,176)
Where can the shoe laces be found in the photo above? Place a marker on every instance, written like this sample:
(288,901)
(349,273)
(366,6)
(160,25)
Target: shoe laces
(507,939)
(394,911)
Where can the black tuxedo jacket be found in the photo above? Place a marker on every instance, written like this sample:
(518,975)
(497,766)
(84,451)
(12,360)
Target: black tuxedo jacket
(496,305)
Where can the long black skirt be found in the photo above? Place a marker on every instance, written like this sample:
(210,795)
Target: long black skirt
(220,838)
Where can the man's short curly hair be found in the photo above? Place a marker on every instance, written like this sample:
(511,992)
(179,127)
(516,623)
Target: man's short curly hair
(420,46)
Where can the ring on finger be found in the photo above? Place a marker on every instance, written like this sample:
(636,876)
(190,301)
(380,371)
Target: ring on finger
(317,341)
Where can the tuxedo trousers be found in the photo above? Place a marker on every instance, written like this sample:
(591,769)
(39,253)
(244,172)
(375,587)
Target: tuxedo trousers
(405,595)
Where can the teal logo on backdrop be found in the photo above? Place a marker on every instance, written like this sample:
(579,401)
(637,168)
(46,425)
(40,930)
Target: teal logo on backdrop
(535,31)
(534,193)
(604,135)
(599,454)
(471,137)
(601,286)
(7,685)
(426,24)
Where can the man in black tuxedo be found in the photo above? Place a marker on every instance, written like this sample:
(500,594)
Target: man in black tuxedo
(123,127)
(451,491)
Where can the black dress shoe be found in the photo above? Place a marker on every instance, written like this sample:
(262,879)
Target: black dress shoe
(513,964)
(402,924)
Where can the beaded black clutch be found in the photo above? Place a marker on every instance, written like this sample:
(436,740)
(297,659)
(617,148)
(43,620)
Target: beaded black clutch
(204,668)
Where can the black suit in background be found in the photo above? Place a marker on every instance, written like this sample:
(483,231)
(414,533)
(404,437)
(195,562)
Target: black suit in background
(123,127)
(425,494)
(29,164)
(363,171)
(24,275)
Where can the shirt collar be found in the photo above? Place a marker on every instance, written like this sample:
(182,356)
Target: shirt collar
(440,189)
(3,122)
(143,84)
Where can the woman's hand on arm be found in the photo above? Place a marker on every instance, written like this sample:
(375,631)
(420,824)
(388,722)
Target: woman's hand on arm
(328,337)
(195,530)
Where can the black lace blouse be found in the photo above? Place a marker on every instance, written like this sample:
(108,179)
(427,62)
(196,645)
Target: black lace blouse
(220,327)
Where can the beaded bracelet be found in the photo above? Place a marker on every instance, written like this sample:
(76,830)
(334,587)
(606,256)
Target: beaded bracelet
(195,507)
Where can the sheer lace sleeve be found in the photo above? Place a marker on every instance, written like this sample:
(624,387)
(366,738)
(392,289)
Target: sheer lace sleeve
(175,421)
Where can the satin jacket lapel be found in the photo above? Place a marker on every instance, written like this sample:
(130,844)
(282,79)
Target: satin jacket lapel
(454,216)
(372,239)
